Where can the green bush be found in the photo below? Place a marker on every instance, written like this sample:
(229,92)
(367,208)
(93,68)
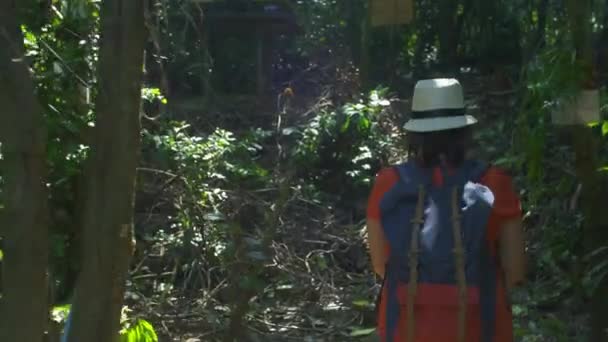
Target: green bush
(340,150)
(136,330)
(209,168)
(132,330)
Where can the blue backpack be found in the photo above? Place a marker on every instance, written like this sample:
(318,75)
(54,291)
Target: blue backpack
(437,236)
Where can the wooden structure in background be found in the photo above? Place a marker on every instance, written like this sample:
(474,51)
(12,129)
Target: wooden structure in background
(391,12)
(255,21)
(581,110)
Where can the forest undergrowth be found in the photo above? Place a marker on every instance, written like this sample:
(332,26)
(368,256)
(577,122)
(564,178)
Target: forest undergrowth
(250,210)
(289,261)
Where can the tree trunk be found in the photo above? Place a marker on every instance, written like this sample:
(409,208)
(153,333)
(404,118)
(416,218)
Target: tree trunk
(364,53)
(595,229)
(111,172)
(538,40)
(448,42)
(543,9)
(579,12)
(24,221)
(587,150)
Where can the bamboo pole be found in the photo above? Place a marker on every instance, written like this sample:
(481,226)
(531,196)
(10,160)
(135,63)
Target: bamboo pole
(460,263)
(587,149)
(413,265)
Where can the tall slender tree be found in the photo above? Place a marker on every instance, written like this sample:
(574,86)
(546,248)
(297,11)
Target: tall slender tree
(587,149)
(448,35)
(24,219)
(111,172)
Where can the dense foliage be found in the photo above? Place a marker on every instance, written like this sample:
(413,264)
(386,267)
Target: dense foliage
(255,228)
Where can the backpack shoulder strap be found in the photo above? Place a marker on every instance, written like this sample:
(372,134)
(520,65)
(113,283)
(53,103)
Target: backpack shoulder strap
(413,175)
(460,262)
(473,171)
(488,281)
(417,223)
(412,182)
(410,177)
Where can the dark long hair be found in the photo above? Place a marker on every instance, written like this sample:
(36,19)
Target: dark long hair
(440,147)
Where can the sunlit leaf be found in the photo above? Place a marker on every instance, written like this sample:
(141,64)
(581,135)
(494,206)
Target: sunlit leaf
(605,128)
(60,313)
(285,287)
(518,310)
(141,331)
(364,123)
(362,303)
(362,332)
(289,130)
(215,216)
(345,125)
(374,96)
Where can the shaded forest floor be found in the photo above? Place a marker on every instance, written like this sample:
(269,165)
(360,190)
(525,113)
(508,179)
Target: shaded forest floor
(318,284)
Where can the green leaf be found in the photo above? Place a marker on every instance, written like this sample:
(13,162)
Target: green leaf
(346,124)
(289,130)
(60,313)
(603,266)
(215,216)
(519,310)
(596,253)
(364,123)
(285,287)
(599,278)
(505,161)
(534,16)
(361,303)
(605,128)
(362,332)
(148,330)
(142,331)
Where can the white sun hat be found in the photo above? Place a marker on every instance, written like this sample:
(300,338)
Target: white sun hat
(438,105)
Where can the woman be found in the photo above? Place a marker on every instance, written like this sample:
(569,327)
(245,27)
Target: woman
(439,136)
